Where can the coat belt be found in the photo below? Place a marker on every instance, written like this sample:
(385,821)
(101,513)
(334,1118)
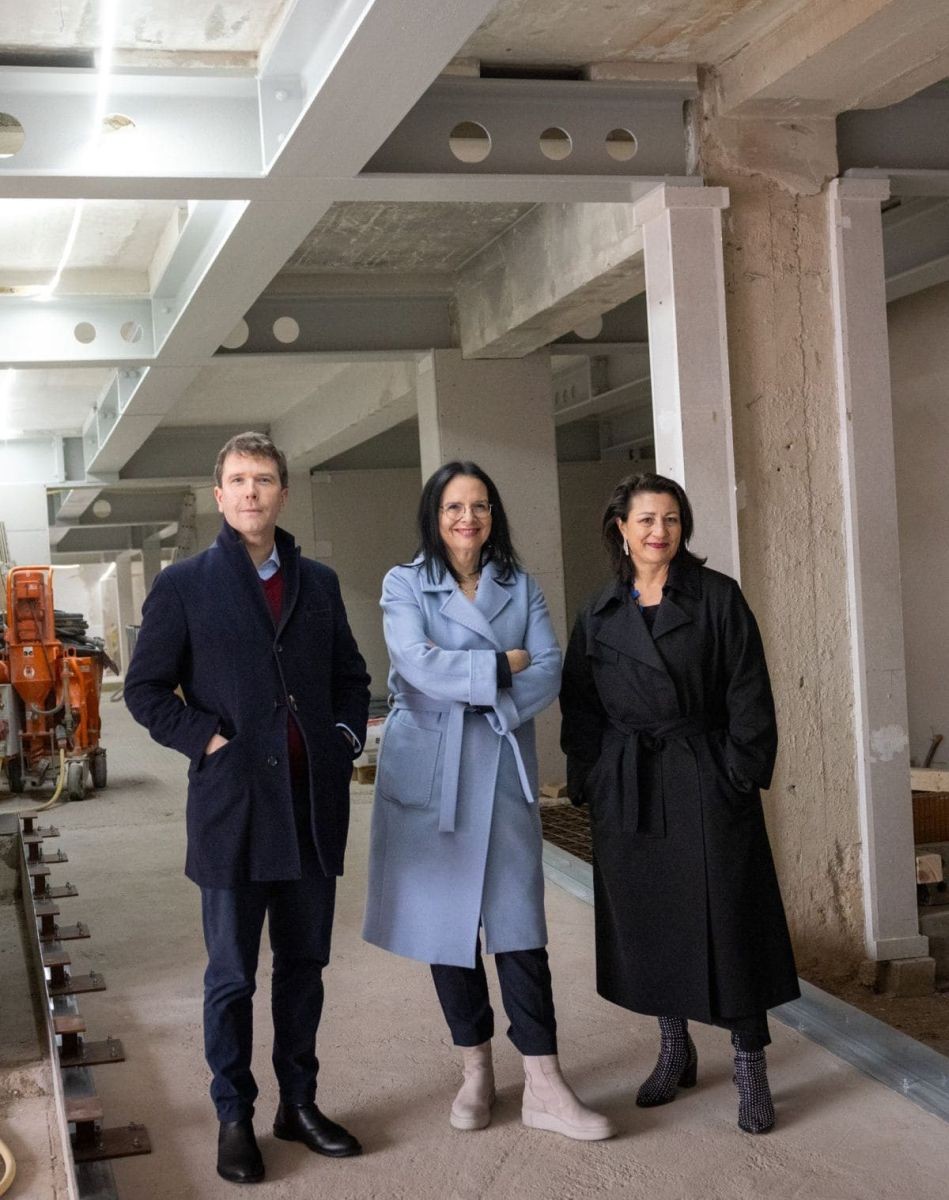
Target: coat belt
(451,770)
(644,809)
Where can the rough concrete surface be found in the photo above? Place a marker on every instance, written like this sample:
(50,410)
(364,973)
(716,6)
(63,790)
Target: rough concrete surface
(776,246)
(389,1072)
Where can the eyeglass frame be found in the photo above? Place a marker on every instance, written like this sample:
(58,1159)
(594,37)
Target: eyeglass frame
(463,508)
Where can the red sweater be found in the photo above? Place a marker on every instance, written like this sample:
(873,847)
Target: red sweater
(273,590)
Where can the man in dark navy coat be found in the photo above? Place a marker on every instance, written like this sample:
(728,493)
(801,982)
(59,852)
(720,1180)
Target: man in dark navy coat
(275,704)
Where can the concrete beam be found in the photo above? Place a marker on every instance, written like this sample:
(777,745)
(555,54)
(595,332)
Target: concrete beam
(826,57)
(360,402)
(130,508)
(111,541)
(558,267)
(180,454)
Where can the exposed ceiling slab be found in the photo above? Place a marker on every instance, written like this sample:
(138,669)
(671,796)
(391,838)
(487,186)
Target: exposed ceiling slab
(363,237)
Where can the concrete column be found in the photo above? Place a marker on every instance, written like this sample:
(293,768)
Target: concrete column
(499,414)
(871,537)
(151,559)
(789,491)
(126,605)
(25,518)
(297,516)
(688,356)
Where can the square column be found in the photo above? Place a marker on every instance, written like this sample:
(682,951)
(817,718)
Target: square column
(499,414)
(688,357)
(151,559)
(871,536)
(126,605)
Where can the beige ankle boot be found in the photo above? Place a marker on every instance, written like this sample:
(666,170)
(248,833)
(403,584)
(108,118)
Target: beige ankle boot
(472,1106)
(550,1104)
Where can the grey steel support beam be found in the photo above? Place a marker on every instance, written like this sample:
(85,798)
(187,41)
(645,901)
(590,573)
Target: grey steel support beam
(905,137)
(110,541)
(915,246)
(514,113)
(130,507)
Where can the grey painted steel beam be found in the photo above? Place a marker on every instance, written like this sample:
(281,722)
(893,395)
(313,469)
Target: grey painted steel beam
(130,508)
(915,246)
(910,136)
(515,112)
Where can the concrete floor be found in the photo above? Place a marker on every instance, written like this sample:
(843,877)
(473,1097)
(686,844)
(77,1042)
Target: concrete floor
(389,1072)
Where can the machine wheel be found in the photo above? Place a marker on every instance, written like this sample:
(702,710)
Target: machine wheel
(100,773)
(15,775)
(76,780)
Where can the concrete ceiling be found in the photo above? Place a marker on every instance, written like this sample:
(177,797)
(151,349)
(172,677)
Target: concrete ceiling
(403,237)
(249,393)
(578,32)
(56,401)
(149,26)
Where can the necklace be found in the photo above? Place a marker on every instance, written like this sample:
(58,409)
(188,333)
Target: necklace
(469,583)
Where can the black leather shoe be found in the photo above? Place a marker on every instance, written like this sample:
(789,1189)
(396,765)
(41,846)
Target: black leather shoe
(238,1158)
(305,1123)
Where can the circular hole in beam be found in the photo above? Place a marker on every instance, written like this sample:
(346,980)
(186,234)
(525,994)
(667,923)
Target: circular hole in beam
(102,508)
(621,145)
(286,330)
(588,330)
(131,332)
(237,337)
(85,332)
(12,135)
(556,143)
(469,142)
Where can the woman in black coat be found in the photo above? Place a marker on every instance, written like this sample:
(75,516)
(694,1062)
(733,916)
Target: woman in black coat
(669,732)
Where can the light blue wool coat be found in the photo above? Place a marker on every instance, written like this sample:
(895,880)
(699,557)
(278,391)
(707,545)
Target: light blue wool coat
(456,836)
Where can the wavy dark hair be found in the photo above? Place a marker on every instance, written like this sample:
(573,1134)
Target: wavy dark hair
(497,549)
(618,507)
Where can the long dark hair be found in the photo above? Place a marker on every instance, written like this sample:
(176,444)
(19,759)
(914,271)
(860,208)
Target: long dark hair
(618,506)
(497,549)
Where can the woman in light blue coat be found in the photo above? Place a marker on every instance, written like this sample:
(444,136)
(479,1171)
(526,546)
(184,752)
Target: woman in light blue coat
(456,835)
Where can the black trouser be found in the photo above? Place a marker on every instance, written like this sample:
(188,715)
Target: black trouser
(751,1032)
(524,976)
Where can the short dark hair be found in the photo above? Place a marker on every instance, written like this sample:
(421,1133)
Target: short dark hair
(618,506)
(497,549)
(254,445)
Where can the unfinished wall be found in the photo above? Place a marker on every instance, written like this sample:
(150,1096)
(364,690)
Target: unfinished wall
(788,473)
(919,376)
(365,524)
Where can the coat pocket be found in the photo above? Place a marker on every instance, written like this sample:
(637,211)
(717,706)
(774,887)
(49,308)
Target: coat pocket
(407,764)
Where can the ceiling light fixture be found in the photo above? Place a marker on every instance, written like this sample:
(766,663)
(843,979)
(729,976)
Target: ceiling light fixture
(108,23)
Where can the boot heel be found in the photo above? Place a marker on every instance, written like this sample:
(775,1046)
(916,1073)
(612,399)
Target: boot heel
(689,1076)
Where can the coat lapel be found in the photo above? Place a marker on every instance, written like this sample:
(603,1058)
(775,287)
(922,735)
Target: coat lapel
(684,583)
(247,594)
(490,600)
(621,628)
(289,553)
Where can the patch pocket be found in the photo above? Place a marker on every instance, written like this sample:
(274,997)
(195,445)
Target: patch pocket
(408,761)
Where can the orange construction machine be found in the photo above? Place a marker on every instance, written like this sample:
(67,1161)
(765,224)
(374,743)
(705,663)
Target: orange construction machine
(49,692)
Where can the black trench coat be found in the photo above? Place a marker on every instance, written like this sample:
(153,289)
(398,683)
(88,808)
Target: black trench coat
(668,737)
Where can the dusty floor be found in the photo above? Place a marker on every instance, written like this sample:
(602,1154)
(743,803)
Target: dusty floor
(388,1071)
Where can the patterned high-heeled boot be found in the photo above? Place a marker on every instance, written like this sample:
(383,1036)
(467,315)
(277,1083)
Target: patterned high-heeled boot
(676,1066)
(755,1106)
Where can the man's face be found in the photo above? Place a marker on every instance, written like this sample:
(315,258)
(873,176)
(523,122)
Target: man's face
(250,496)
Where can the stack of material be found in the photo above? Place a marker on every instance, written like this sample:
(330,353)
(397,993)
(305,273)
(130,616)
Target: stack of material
(72,630)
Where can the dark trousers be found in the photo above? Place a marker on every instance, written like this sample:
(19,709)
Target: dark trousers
(751,1033)
(524,976)
(300,914)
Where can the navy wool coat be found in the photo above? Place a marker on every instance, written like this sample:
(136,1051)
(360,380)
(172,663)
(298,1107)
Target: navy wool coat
(669,735)
(207,629)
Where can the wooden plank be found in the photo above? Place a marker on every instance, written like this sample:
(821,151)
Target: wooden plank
(83,1108)
(69,1023)
(923,779)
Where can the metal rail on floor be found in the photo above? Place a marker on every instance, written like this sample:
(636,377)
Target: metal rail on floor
(78,1106)
(894,1059)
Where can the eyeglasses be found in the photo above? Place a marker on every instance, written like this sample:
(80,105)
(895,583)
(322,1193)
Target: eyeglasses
(480,510)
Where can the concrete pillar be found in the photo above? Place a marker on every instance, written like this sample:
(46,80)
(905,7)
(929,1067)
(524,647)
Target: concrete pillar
(297,516)
(871,536)
(24,515)
(151,559)
(126,605)
(688,357)
(499,414)
(776,253)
